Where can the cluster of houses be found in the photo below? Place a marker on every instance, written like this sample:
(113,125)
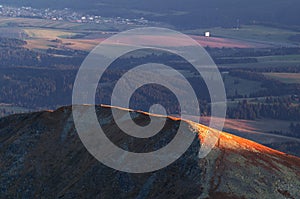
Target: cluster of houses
(66,15)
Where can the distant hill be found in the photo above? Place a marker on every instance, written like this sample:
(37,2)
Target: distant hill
(187,13)
(41,156)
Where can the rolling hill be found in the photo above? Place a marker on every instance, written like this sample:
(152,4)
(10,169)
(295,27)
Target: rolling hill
(185,14)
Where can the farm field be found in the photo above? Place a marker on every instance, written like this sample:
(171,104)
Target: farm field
(87,42)
(261,35)
(289,78)
(40,31)
(47,33)
(268,62)
(28,22)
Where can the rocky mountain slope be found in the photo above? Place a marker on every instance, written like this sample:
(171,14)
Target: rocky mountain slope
(41,156)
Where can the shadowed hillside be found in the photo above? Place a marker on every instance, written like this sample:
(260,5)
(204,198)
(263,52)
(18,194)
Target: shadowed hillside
(42,156)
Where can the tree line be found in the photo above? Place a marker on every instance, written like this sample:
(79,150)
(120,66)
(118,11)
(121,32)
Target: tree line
(272,87)
(281,108)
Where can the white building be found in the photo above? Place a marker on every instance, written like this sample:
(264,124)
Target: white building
(207,34)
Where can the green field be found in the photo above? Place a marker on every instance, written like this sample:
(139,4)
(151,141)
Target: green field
(47,33)
(253,33)
(268,61)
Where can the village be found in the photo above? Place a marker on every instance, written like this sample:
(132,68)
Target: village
(68,15)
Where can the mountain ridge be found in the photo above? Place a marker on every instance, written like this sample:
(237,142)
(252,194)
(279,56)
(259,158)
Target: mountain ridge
(42,155)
